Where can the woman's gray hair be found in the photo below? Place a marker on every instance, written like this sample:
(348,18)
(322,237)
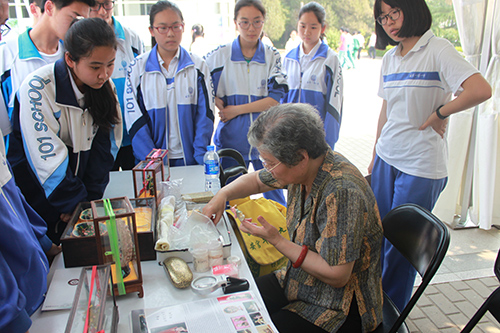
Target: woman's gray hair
(287,129)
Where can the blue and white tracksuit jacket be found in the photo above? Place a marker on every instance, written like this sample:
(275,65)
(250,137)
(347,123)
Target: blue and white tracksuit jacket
(320,84)
(23,264)
(146,106)
(59,157)
(19,57)
(129,46)
(237,82)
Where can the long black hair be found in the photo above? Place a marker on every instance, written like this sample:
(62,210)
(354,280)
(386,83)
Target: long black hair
(80,40)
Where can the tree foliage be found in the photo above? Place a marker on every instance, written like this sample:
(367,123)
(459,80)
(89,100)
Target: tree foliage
(355,15)
(276,19)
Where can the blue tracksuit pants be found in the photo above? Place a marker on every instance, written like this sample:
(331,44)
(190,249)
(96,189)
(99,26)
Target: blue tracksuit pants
(393,188)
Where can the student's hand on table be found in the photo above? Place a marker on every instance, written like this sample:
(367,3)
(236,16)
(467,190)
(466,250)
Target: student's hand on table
(266,231)
(215,208)
(52,252)
(438,125)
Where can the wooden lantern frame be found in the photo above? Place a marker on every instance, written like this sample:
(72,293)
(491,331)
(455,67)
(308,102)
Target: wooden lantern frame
(161,155)
(129,214)
(149,171)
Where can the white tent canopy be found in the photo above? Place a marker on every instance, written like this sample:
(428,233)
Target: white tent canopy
(474,156)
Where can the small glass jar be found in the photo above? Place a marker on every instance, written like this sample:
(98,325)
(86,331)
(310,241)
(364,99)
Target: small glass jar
(200,259)
(215,254)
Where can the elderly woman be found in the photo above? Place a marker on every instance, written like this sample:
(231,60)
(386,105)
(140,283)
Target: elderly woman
(333,280)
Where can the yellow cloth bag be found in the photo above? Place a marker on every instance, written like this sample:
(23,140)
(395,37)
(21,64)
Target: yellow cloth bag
(261,256)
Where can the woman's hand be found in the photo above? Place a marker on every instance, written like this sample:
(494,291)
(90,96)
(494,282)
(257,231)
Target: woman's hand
(215,208)
(266,231)
(65,217)
(219,103)
(228,113)
(370,166)
(438,125)
(52,252)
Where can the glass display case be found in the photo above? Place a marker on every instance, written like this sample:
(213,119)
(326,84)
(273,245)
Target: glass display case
(162,155)
(78,240)
(147,176)
(145,218)
(94,305)
(118,246)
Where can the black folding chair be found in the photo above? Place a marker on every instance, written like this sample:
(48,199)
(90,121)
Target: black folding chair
(492,303)
(232,171)
(423,240)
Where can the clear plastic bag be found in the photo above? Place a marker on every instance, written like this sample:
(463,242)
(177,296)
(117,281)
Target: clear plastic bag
(197,229)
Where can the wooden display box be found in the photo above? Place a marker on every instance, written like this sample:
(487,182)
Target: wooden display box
(79,250)
(161,155)
(82,251)
(147,176)
(98,308)
(118,245)
(146,234)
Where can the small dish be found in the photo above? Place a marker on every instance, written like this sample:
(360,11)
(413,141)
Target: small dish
(86,229)
(86,214)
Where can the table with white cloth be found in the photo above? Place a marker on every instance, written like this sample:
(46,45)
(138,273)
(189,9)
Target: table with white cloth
(158,289)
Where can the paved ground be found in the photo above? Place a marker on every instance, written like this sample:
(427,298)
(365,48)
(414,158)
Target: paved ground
(465,279)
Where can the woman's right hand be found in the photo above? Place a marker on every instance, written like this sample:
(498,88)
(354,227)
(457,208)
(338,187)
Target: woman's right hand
(219,103)
(215,208)
(370,166)
(65,217)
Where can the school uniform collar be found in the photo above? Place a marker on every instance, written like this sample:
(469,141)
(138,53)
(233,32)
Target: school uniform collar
(421,43)
(27,48)
(153,64)
(119,31)
(237,55)
(319,50)
(295,53)
(78,94)
(65,94)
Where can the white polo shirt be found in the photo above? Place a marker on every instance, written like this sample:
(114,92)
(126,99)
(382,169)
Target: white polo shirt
(414,86)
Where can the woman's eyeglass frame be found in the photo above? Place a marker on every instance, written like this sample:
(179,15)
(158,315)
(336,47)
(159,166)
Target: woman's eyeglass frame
(393,15)
(163,29)
(245,25)
(266,165)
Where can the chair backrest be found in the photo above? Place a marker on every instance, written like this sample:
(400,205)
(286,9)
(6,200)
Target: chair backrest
(492,304)
(234,170)
(422,239)
(497,266)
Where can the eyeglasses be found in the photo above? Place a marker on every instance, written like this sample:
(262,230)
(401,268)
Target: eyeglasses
(5,29)
(175,28)
(267,166)
(394,15)
(106,5)
(246,24)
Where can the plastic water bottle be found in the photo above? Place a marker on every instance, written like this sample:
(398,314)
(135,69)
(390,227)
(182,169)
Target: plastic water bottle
(211,161)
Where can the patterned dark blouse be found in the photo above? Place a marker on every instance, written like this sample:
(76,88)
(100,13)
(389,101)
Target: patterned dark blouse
(340,221)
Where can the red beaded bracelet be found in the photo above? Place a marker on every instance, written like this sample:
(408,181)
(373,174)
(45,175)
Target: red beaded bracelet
(301,258)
